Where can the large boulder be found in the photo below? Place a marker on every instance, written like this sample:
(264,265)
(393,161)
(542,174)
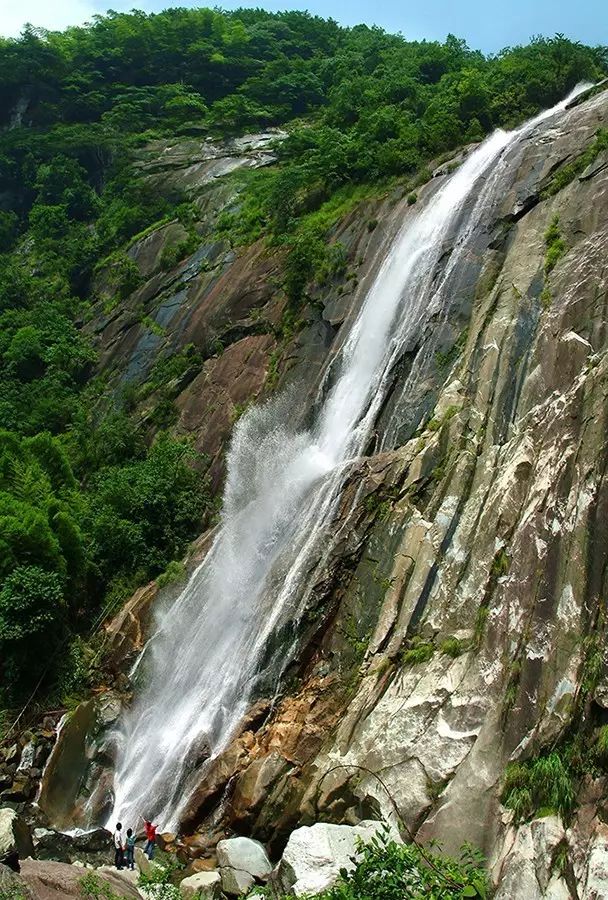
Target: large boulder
(93,846)
(203,885)
(242,862)
(315,854)
(58,881)
(76,787)
(15,839)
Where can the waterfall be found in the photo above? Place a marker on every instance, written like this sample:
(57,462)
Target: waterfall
(232,629)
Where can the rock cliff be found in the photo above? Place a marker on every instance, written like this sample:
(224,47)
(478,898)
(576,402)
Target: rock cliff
(459,625)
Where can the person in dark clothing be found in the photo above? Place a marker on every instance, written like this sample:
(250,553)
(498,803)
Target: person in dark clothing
(119,847)
(130,849)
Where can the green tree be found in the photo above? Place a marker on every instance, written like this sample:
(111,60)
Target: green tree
(32,617)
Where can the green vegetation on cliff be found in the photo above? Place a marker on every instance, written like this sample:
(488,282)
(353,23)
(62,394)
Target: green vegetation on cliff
(94,498)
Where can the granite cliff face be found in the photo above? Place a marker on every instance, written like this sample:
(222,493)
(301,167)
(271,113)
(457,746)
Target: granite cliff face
(451,630)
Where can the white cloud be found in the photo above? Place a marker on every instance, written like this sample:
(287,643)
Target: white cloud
(51,14)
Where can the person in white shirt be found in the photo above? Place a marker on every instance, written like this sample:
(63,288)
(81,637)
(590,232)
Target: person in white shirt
(119,847)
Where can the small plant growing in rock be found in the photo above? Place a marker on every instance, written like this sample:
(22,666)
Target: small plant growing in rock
(500,563)
(435,424)
(601,744)
(544,784)
(513,685)
(593,662)
(239,410)
(555,244)
(559,862)
(453,647)
(411,198)
(480,625)
(153,326)
(418,652)
(569,172)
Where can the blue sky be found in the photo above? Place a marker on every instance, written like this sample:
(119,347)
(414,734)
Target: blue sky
(487,26)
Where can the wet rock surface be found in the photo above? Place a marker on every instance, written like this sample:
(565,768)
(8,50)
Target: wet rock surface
(22,759)
(482,528)
(76,786)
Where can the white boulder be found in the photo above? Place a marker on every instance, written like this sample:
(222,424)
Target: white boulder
(203,885)
(315,854)
(242,862)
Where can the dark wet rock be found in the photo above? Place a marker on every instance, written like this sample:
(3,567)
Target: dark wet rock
(92,847)
(76,789)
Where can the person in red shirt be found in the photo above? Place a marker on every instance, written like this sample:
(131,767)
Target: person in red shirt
(150,830)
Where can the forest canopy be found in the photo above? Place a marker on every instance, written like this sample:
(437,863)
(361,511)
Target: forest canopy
(93,501)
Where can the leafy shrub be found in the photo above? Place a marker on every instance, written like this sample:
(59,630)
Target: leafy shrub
(386,870)
(125,276)
(93,888)
(174,253)
(175,571)
(157,883)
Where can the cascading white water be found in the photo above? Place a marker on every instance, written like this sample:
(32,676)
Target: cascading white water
(212,647)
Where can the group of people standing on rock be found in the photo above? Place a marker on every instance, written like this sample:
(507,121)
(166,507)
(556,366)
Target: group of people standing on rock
(124,845)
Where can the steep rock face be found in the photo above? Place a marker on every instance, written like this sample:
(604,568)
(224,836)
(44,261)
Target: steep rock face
(221,307)
(488,528)
(473,529)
